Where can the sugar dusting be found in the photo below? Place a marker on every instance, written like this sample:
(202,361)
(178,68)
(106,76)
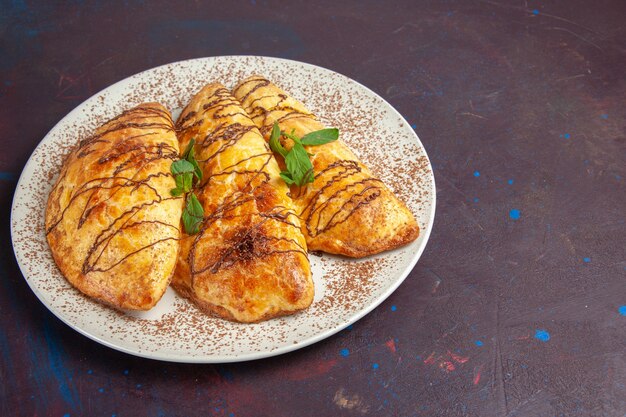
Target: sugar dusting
(349,287)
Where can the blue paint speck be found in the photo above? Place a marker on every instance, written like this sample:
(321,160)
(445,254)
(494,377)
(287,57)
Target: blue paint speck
(125,371)
(414,126)
(66,415)
(514,214)
(476,174)
(586,260)
(535,12)
(138,385)
(9,83)
(622,310)
(604,116)
(542,335)
(374,366)
(344,352)
(100,390)
(90,372)
(6,176)
(476,200)
(394,308)
(479,343)
(350,327)
(566,135)
(510,182)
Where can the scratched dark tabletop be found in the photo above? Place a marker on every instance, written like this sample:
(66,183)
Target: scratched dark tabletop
(518,305)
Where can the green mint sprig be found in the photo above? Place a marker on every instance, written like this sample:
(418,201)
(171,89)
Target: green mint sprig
(184,170)
(193,214)
(299,167)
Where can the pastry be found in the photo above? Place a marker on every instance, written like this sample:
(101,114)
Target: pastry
(346,210)
(248,262)
(111,223)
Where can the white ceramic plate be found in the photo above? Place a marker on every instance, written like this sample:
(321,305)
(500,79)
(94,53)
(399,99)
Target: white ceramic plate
(175,330)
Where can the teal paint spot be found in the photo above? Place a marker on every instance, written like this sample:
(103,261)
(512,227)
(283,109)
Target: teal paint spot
(90,372)
(414,126)
(566,135)
(6,176)
(510,182)
(476,200)
(58,368)
(126,371)
(100,390)
(604,116)
(344,352)
(586,260)
(514,214)
(542,335)
(622,310)
(479,343)
(535,12)
(394,308)
(476,174)
(138,385)
(374,366)
(66,415)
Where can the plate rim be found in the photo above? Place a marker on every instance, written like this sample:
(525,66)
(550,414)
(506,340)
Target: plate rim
(215,359)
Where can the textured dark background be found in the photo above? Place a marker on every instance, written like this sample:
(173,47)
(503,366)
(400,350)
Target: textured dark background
(518,305)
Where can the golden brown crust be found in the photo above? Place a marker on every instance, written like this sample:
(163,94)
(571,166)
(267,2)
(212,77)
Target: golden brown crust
(248,262)
(111,222)
(346,210)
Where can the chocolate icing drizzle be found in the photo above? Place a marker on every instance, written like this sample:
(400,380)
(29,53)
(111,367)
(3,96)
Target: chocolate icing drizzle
(125,160)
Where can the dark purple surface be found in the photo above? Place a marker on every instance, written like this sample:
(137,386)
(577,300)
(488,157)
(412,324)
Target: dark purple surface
(518,305)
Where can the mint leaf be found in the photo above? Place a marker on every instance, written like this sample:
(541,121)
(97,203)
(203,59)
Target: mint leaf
(196,169)
(175,192)
(181,166)
(275,144)
(189,149)
(190,156)
(299,164)
(320,137)
(299,167)
(286,176)
(193,215)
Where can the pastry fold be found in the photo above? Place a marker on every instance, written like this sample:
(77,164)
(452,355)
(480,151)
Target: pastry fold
(111,223)
(346,210)
(248,262)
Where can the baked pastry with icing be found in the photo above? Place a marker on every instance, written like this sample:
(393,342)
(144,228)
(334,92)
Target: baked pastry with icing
(248,262)
(346,210)
(110,220)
